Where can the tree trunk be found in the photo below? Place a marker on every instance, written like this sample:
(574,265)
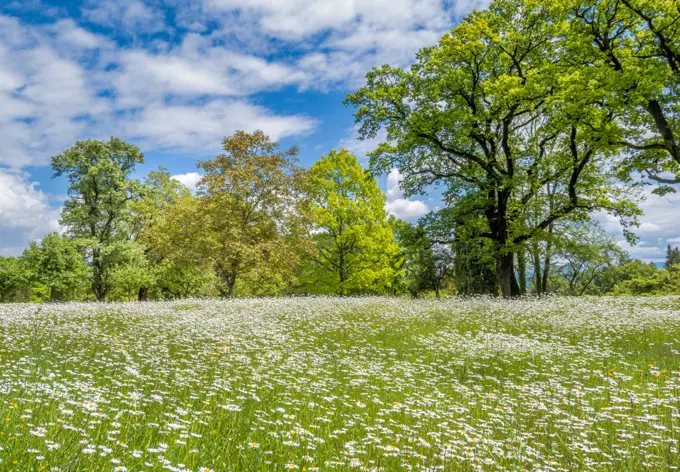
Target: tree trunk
(664,129)
(506,275)
(231,283)
(505,260)
(546,266)
(98,276)
(522,269)
(229,278)
(55,294)
(538,279)
(341,272)
(143,294)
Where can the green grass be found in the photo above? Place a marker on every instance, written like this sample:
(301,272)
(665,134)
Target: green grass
(342,384)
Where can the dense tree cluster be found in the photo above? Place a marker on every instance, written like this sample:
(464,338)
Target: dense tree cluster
(530,115)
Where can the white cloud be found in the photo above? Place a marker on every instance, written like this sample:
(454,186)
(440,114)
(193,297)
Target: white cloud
(202,127)
(196,68)
(343,39)
(674,240)
(46,96)
(189,179)
(128,15)
(643,251)
(296,19)
(68,32)
(408,210)
(25,213)
(397,205)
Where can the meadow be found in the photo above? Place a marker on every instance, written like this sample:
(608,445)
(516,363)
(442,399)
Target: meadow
(309,384)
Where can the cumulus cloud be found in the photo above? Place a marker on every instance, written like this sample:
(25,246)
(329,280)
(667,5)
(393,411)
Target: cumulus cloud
(194,70)
(190,179)
(68,32)
(46,100)
(397,205)
(127,15)
(162,126)
(351,35)
(25,213)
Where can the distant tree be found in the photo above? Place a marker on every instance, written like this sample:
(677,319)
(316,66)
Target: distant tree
(159,191)
(57,263)
(178,242)
(130,270)
(672,256)
(640,278)
(584,252)
(100,193)
(249,207)
(13,278)
(355,246)
(427,265)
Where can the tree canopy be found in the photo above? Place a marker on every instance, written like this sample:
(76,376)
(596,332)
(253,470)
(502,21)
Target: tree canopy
(100,193)
(354,243)
(512,108)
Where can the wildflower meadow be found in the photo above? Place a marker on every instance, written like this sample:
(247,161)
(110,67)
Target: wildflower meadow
(315,384)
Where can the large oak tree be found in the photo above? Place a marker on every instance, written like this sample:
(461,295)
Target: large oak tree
(496,116)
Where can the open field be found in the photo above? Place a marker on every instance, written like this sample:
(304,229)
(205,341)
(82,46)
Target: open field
(341,384)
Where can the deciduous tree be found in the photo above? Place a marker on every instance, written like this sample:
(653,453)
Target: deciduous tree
(57,263)
(100,193)
(250,212)
(354,243)
(490,115)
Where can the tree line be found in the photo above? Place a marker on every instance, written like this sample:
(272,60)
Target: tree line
(530,116)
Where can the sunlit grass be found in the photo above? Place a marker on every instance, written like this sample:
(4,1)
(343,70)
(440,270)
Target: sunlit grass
(319,384)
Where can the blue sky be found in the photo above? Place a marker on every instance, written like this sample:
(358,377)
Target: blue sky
(176,76)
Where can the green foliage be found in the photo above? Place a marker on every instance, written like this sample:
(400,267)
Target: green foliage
(100,194)
(249,201)
(672,256)
(130,270)
(58,264)
(355,246)
(639,278)
(13,278)
(175,279)
(176,241)
(629,56)
(583,253)
(426,266)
